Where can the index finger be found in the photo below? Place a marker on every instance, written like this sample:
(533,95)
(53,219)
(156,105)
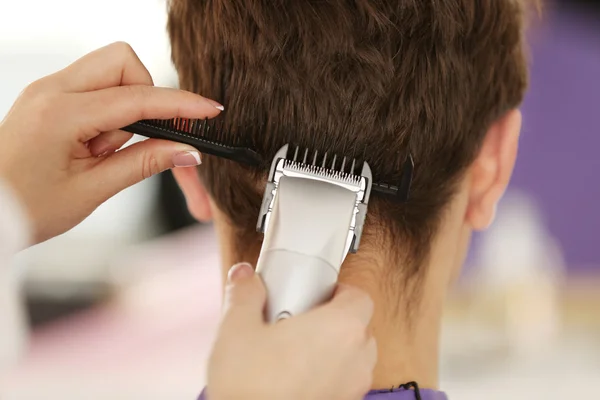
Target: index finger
(109,109)
(114,65)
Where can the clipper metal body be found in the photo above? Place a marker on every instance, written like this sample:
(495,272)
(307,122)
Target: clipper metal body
(312,216)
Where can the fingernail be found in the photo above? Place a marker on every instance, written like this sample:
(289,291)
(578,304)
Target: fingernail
(102,149)
(187,159)
(218,106)
(240,271)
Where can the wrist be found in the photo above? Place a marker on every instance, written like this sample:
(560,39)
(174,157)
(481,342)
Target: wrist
(15,223)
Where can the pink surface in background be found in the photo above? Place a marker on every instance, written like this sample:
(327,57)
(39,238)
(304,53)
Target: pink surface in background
(153,338)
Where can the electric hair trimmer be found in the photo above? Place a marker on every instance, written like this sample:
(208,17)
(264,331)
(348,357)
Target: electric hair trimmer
(312,216)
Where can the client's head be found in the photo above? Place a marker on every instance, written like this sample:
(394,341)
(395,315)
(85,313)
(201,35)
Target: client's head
(440,80)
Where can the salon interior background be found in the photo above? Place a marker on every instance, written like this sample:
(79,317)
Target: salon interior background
(124,306)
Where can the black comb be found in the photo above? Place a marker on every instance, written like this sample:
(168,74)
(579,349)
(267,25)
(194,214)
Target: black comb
(401,191)
(205,135)
(209,137)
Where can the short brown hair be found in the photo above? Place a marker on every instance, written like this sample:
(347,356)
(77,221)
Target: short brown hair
(389,78)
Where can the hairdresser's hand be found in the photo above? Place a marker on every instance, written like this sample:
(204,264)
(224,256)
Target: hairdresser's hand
(326,353)
(58,142)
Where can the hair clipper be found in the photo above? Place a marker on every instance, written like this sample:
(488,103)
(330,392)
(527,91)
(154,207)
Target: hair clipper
(311,216)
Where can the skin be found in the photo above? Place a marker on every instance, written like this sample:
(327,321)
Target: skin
(407,352)
(60,156)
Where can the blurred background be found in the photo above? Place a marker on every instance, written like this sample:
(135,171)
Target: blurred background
(125,305)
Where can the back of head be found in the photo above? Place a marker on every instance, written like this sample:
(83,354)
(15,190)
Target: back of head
(375,79)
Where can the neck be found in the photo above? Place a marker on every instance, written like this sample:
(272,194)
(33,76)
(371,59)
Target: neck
(407,337)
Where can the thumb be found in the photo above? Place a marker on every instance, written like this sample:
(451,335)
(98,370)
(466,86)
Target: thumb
(245,296)
(141,161)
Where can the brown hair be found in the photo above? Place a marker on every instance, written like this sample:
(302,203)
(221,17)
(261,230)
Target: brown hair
(379,78)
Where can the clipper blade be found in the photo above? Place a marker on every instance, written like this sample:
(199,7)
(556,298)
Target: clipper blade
(320,172)
(332,169)
(326,161)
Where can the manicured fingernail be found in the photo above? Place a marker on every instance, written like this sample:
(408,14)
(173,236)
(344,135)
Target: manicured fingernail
(106,152)
(187,159)
(240,271)
(218,106)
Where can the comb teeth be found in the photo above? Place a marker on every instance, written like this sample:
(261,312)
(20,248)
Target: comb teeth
(208,137)
(209,130)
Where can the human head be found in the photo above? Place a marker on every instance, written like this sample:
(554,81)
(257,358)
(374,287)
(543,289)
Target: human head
(440,81)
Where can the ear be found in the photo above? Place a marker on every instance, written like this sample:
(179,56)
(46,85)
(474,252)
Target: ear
(195,194)
(491,171)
